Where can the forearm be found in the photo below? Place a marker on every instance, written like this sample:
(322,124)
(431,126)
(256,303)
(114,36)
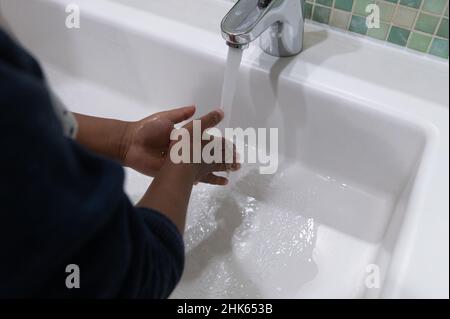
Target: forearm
(103,136)
(169,193)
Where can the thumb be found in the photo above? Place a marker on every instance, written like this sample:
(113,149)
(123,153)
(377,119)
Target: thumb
(180,114)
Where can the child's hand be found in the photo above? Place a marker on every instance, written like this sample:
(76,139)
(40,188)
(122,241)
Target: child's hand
(203,172)
(147,141)
(144,145)
(171,188)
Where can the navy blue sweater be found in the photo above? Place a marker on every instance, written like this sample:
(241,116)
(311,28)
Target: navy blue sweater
(61,204)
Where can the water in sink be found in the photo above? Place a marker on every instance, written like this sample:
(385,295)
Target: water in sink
(293,234)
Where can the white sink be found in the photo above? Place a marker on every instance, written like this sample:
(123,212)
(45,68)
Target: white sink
(357,154)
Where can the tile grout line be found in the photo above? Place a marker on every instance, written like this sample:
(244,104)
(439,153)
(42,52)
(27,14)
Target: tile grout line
(382,21)
(391,23)
(441,17)
(332,11)
(413,28)
(349,23)
(435,34)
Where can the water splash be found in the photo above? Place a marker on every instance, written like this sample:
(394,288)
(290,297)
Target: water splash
(235,241)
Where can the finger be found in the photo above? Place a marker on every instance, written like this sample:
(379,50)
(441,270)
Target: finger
(229,151)
(215,180)
(180,114)
(223,167)
(209,120)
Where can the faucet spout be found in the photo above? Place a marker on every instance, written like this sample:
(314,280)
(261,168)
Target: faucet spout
(278,23)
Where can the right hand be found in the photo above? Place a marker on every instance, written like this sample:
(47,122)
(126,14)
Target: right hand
(203,172)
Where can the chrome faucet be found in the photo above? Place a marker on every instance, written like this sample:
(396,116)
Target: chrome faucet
(278,23)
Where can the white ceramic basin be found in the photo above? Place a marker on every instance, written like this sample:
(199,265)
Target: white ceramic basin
(356,154)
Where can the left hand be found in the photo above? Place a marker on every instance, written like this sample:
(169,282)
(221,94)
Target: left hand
(148,140)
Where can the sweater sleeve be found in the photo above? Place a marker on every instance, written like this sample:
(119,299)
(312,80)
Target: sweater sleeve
(62,205)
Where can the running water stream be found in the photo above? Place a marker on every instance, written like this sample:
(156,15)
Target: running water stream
(234,59)
(232,66)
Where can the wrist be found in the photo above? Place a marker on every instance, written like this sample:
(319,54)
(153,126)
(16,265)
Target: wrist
(182,171)
(108,137)
(120,140)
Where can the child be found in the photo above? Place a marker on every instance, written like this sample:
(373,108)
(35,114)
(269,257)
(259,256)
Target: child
(62,199)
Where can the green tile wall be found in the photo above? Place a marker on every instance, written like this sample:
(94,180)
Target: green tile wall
(420,25)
